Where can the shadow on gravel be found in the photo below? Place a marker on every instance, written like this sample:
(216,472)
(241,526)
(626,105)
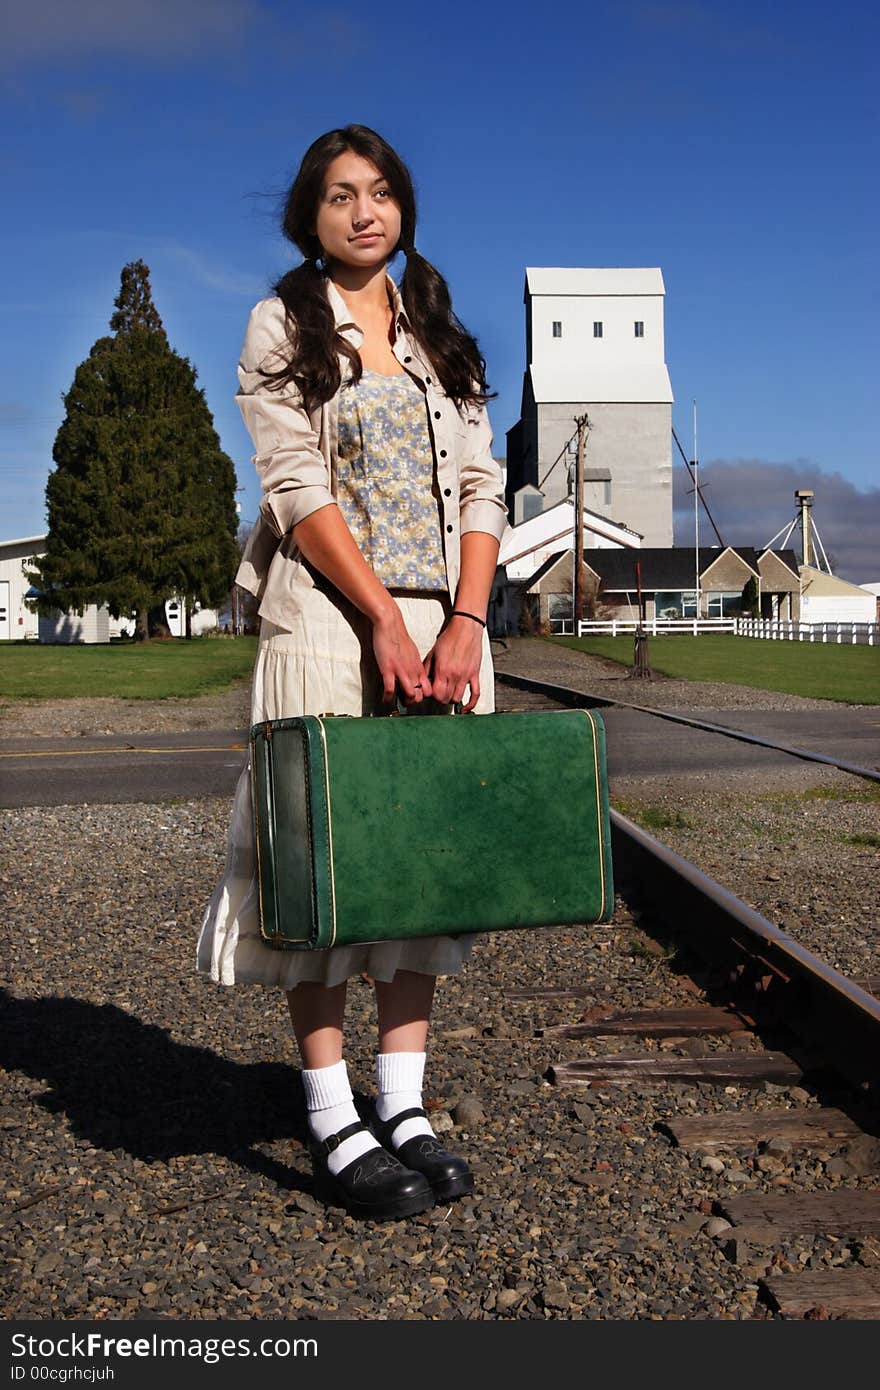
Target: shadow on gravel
(124,1084)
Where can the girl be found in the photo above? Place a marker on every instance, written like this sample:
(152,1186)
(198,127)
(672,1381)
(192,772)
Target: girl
(373,560)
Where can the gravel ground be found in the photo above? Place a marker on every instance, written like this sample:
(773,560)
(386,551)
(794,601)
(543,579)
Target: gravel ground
(227,709)
(806,858)
(152,1128)
(799,844)
(529,656)
(230,709)
(156,1119)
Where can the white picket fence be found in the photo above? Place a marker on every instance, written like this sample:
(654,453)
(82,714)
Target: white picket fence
(782,630)
(616,627)
(775,630)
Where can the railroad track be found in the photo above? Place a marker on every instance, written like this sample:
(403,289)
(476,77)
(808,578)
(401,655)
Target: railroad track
(826,1034)
(578,699)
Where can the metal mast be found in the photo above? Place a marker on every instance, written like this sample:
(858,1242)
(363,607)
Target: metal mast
(696,515)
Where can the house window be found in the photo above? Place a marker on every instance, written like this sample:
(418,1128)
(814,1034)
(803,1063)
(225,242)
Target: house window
(677,604)
(640,328)
(559,607)
(597,330)
(557,328)
(724,605)
(607,492)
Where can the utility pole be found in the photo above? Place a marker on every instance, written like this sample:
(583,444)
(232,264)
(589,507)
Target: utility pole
(583,424)
(696,517)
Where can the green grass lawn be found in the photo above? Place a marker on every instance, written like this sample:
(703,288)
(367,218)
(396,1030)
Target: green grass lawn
(822,671)
(131,670)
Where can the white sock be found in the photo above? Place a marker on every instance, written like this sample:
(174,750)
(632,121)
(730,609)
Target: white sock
(399,1085)
(330,1107)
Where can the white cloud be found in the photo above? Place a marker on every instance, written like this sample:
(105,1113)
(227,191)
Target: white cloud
(203,270)
(752,499)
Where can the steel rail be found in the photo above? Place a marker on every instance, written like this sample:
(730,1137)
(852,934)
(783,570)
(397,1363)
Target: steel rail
(580,699)
(836,1014)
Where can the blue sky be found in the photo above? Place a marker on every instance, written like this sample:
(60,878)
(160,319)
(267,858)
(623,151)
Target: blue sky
(733,144)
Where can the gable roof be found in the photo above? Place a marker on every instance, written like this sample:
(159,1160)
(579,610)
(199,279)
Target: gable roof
(537,575)
(785,557)
(556,523)
(664,568)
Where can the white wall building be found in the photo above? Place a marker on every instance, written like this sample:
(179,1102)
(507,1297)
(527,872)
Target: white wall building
(17,622)
(90,627)
(595,346)
(825,598)
(875,590)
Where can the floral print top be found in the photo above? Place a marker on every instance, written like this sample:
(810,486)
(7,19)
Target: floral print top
(385,480)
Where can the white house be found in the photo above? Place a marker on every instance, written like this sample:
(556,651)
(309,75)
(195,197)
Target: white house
(526,547)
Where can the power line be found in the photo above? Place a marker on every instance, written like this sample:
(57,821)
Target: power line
(698,488)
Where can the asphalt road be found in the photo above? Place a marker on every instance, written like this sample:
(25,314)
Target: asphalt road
(161,767)
(642,742)
(137,767)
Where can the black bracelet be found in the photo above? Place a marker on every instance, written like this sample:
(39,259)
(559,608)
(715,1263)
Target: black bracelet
(457,613)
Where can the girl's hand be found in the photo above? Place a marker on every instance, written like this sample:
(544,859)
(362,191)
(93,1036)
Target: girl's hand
(454,662)
(398,659)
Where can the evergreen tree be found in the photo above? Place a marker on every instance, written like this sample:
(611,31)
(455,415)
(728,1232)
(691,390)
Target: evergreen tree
(751,605)
(142,502)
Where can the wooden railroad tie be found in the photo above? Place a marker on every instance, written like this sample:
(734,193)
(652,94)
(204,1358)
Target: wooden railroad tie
(824,1294)
(814,1213)
(552,992)
(723,1068)
(765,1219)
(806,1129)
(654,1023)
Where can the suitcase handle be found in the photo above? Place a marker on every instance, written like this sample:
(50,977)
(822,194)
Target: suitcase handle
(401,710)
(427,707)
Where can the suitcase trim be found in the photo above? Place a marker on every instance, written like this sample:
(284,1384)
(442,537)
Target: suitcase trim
(599,816)
(331,871)
(267,892)
(257,752)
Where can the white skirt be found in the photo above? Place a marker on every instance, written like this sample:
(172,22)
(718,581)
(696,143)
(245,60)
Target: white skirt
(325,665)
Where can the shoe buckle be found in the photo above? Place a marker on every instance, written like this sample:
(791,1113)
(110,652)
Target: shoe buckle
(332,1142)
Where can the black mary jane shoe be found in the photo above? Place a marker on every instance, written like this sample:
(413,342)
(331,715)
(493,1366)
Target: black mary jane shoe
(377,1185)
(448,1174)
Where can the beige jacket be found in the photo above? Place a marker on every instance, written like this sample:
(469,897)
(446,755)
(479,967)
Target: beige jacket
(296,457)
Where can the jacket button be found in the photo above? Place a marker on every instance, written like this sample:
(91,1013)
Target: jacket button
(447,492)
(407,359)
(436,414)
(443,453)
(427,381)
(449,528)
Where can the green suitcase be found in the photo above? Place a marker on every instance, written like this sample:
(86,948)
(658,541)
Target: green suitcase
(376,829)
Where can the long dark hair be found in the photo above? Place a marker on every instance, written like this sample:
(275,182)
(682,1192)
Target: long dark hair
(315,345)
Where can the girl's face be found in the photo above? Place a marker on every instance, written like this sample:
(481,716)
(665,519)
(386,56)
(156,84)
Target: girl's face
(358,220)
